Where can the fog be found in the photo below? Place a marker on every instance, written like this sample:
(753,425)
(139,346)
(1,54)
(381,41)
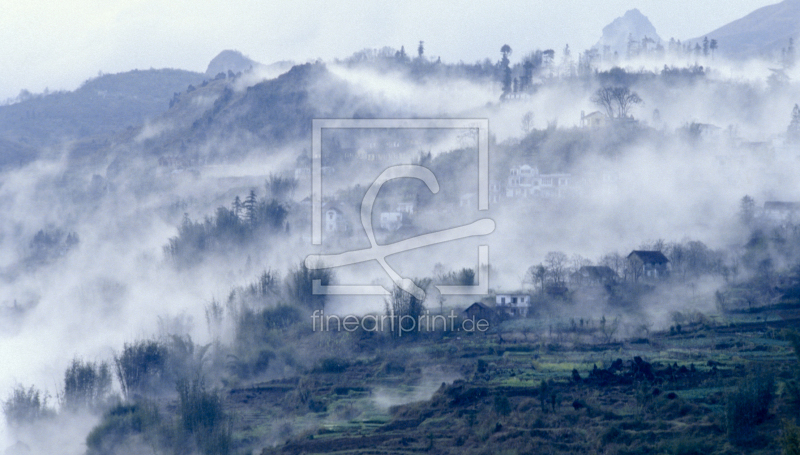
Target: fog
(118,284)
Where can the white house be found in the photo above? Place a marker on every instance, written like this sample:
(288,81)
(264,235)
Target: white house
(525,181)
(515,305)
(595,119)
(406,207)
(334,219)
(391,221)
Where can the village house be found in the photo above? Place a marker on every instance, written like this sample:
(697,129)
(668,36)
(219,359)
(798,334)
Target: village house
(391,221)
(525,181)
(478,311)
(406,207)
(651,265)
(334,219)
(595,119)
(514,305)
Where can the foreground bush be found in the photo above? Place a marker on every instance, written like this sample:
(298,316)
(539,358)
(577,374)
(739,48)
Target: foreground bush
(25,406)
(87,385)
(748,407)
(203,419)
(141,367)
(125,427)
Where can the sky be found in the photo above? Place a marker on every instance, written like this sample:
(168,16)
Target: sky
(58,45)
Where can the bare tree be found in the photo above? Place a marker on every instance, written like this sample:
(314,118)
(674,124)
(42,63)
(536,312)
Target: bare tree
(536,275)
(579,261)
(617,101)
(556,263)
(614,261)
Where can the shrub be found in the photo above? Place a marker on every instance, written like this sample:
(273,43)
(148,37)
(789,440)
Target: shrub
(24,406)
(141,367)
(202,416)
(86,385)
(747,407)
(790,439)
(126,424)
(299,285)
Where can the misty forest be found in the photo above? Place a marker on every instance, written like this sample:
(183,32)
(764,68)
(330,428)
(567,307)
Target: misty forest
(641,293)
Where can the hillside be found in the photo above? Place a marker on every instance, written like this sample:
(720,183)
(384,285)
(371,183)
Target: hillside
(102,105)
(762,33)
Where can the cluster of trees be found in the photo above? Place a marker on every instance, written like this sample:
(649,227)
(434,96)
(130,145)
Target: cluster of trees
(49,244)
(228,228)
(689,259)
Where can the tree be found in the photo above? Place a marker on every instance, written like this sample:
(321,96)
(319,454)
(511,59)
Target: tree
(237,206)
(401,55)
(86,385)
(506,68)
(280,187)
(614,261)
(556,263)
(421,48)
(404,308)
(793,132)
(713,46)
(617,101)
(527,122)
(250,206)
(747,210)
(705,46)
(300,285)
(536,275)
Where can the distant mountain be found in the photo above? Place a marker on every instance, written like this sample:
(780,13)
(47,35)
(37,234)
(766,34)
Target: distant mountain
(102,105)
(229,60)
(275,112)
(632,26)
(762,33)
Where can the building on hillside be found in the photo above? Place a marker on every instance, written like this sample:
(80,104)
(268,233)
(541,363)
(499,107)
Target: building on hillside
(650,265)
(334,219)
(514,305)
(406,207)
(595,119)
(478,311)
(525,181)
(391,221)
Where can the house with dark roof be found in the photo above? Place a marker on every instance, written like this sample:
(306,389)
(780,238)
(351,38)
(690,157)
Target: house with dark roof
(650,265)
(589,275)
(478,311)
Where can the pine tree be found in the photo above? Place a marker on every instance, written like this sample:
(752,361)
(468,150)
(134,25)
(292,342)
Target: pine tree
(250,207)
(237,206)
(505,67)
